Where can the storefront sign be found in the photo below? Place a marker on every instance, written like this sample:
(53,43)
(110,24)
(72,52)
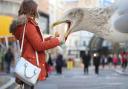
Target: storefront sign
(5,22)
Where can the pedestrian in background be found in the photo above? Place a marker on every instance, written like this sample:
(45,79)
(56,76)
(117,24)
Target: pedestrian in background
(9,57)
(59,63)
(115,60)
(124,60)
(70,63)
(96,62)
(86,57)
(109,60)
(103,60)
(50,64)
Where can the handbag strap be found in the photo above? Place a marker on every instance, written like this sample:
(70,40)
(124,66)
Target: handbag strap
(22,43)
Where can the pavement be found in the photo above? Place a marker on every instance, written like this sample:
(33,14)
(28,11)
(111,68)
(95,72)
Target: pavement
(108,78)
(119,70)
(6,81)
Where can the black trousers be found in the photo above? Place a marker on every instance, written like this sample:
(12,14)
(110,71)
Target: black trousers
(23,84)
(124,65)
(85,69)
(97,69)
(59,69)
(8,65)
(26,86)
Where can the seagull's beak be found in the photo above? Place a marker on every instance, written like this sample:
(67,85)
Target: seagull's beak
(58,22)
(67,31)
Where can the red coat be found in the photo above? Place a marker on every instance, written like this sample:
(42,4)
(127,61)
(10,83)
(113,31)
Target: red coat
(123,57)
(34,41)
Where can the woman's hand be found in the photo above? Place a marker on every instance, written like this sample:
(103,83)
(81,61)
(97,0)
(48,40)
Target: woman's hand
(60,38)
(57,34)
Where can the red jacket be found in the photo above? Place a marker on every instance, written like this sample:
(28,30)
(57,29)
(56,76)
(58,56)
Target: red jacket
(33,41)
(123,55)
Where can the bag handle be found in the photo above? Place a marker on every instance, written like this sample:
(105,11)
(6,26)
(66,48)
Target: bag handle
(22,43)
(25,72)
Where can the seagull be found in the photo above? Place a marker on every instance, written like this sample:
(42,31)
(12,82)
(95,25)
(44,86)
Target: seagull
(105,22)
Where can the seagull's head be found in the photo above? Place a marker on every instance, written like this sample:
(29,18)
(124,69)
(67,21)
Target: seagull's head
(72,18)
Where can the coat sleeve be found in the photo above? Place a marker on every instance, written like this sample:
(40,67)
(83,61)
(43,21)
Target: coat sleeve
(47,38)
(36,41)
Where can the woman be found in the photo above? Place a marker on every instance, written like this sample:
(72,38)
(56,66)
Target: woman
(124,60)
(115,60)
(33,40)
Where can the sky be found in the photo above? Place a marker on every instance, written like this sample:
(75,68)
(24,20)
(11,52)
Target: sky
(106,2)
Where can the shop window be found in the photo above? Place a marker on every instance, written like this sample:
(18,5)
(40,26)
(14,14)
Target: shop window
(44,23)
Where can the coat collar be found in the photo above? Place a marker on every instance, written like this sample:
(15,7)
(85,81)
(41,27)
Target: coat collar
(32,21)
(36,25)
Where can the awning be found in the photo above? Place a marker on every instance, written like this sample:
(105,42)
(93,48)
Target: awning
(5,22)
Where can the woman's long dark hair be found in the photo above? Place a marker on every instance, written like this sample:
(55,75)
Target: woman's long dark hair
(28,7)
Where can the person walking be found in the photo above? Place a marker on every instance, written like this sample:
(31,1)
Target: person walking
(96,62)
(124,60)
(9,57)
(109,60)
(115,60)
(86,57)
(33,39)
(59,64)
(103,60)
(50,64)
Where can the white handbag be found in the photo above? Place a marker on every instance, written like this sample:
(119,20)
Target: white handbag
(26,71)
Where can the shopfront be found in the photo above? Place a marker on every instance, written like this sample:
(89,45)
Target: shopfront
(8,11)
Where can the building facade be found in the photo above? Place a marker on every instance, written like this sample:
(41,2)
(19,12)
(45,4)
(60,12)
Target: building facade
(9,10)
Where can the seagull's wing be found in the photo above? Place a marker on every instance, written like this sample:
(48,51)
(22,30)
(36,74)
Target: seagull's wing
(96,19)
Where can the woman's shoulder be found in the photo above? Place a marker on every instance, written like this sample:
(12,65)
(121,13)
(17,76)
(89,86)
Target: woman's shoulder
(32,21)
(18,21)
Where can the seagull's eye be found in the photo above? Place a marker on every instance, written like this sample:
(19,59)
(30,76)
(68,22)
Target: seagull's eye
(76,14)
(71,14)
(79,13)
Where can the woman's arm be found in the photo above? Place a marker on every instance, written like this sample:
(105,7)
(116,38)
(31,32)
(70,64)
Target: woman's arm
(36,40)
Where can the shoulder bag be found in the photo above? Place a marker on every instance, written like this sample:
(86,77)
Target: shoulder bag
(26,71)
